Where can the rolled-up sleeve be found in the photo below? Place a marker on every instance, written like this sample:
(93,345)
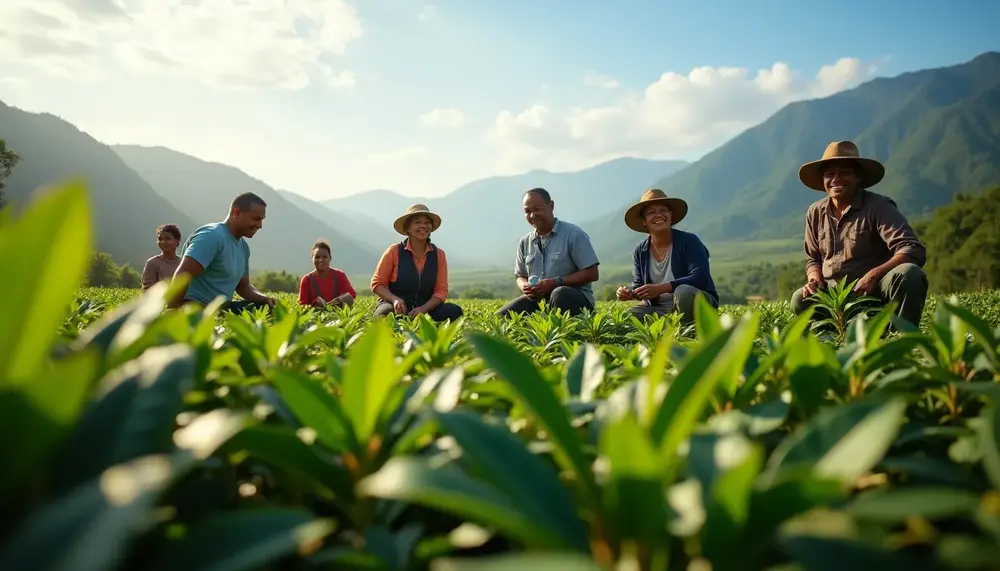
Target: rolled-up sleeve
(897,233)
(814,256)
(385,268)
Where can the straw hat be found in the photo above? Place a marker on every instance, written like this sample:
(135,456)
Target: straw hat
(678,208)
(400,223)
(811,173)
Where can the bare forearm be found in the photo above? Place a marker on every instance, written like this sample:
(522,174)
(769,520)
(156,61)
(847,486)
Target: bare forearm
(250,293)
(581,277)
(432,303)
(384,293)
(892,263)
(346,299)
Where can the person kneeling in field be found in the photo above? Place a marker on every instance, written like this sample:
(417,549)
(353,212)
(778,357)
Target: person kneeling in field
(163,265)
(325,286)
(859,234)
(555,261)
(670,267)
(217,257)
(412,276)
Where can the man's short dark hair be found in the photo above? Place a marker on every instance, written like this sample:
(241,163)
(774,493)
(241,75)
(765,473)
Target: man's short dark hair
(246,201)
(544,194)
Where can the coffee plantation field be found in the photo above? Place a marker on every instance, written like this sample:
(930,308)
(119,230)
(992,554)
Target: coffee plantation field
(141,439)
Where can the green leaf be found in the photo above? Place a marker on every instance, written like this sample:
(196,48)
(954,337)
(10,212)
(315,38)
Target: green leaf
(450,490)
(694,385)
(317,409)
(728,512)
(842,442)
(537,395)
(896,505)
(584,372)
(369,376)
(133,415)
(822,554)
(706,319)
(45,410)
(44,254)
(989,436)
(285,451)
(634,497)
(532,561)
(809,376)
(90,527)
(242,540)
(533,487)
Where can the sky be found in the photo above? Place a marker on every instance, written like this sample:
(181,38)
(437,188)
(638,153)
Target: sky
(328,98)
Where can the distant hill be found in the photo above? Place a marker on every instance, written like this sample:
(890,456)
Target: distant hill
(126,210)
(360,227)
(483,219)
(937,131)
(203,190)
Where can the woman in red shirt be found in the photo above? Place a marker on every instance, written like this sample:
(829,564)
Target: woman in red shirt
(325,286)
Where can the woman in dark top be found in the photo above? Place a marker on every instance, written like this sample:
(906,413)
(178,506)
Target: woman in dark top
(670,266)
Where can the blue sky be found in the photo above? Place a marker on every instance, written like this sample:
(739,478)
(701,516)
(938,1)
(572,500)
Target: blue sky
(327,98)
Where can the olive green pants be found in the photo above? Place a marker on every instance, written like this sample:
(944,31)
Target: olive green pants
(906,284)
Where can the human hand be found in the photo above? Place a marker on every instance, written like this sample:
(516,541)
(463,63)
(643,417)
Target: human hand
(417,311)
(651,291)
(319,301)
(399,306)
(270,301)
(811,287)
(545,287)
(868,282)
(624,293)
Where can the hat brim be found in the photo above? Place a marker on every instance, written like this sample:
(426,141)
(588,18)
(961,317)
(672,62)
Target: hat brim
(400,224)
(811,173)
(633,220)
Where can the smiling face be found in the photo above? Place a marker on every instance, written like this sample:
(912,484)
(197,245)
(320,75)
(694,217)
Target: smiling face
(537,211)
(840,180)
(419,226)
(657,217)
(248,222)
(321,259)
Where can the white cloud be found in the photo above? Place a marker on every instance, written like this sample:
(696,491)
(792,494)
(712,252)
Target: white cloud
(675,116)
(223,43)
(427,12)
(594,79)
(443,117)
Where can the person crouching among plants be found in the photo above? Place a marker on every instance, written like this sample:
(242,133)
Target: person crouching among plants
(163,265)
(412,276)
(670,266)
(325,286)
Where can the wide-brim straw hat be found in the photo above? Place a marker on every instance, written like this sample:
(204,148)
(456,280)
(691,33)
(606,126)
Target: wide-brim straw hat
(400,224)
(872,171)
(677,206)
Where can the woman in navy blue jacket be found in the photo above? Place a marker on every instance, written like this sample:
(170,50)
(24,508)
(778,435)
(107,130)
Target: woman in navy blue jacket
(670,267)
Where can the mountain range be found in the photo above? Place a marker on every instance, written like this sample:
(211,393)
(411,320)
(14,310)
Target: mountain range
(936,130)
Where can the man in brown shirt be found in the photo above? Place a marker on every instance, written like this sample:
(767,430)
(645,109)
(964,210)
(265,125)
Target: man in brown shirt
(859,234)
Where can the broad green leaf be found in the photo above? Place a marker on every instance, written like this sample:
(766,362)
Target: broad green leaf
(450,490)
(809,376)
(37,417)
(369,375)
(242,541)
(759,419)
(989,436)
(537,394)
(894,505)
(706,319)
(532,486)
(842,442)
(685,401)
(533,561)
(583,373)
(798,492)
(44,254)
(981,331)
(317,409)
(286,452)
(727,512)
(634,497)
(88,528)
(133,414)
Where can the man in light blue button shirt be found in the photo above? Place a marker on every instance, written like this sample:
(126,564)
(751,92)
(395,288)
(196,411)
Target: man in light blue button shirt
(217,257)
(556,254)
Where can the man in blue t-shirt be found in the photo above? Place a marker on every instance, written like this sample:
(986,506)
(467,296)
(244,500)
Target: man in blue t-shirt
(217,257)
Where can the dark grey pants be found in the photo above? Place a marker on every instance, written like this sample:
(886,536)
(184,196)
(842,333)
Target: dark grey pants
(446,310)
(906,284)
(564,298)
(683,297)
